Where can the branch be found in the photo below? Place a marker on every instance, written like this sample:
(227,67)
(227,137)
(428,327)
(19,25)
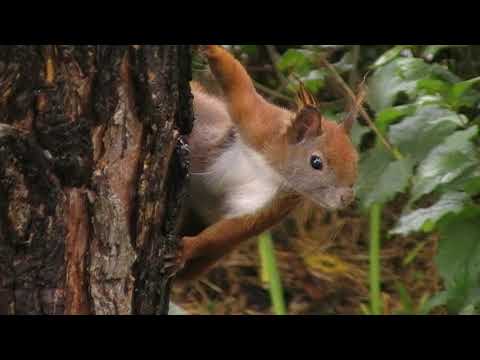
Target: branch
(364,114)
(274,57)
(273,93)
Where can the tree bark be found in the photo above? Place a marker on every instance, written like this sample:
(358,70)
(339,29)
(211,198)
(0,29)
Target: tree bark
(93,169)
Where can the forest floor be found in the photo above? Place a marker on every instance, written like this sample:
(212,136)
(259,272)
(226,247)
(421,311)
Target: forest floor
(324,266)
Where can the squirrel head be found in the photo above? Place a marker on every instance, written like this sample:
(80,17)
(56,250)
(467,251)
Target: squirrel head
(321,160)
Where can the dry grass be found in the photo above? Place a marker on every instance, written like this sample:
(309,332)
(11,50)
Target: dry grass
(323,260)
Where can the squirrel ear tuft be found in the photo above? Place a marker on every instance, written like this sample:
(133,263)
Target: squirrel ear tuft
(306,124)
(308,120)
(304,97)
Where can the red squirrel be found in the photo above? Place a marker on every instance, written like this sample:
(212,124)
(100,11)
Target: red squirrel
(253,162)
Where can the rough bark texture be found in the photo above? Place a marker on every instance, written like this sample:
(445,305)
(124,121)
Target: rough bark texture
(92,176)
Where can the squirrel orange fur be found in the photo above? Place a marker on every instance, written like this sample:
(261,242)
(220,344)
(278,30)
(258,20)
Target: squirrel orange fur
(254,162)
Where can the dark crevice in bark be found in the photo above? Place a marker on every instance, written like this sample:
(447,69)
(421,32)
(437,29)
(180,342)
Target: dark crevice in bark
(20,71)
(92,176)
(33,204)
(162,69)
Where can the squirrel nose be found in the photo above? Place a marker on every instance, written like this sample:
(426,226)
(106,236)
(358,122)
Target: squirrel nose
(347,197)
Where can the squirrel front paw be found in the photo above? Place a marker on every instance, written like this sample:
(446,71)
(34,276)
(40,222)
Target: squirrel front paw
(174,262)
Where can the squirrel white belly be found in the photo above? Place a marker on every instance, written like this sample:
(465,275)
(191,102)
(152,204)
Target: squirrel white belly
(234,180)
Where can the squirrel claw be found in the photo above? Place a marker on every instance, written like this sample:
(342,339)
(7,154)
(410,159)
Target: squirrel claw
(173,262)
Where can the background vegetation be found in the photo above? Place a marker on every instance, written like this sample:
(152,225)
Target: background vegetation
(411,243)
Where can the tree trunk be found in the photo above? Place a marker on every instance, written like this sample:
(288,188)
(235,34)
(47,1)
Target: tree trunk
(92,176)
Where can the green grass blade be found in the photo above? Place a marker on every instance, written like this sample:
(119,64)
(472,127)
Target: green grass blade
(270,273)
(374,270)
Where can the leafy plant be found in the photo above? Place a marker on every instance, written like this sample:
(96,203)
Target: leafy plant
(430,115)
(419,106)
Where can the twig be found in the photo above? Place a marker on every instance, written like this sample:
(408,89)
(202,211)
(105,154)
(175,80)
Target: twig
(356,58)
(276,94)
(274,57)
(273,93)
(356,106)
(364,114)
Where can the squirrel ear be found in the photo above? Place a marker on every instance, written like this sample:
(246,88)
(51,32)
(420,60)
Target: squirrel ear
(307,124)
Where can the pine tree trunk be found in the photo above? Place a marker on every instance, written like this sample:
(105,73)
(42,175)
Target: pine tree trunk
(92,176)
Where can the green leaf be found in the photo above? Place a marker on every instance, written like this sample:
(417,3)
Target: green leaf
(402,76)
(431,51)
(250,50)
(418,219)
(439,299)
(461,94)
(345,64)
(314,80)
(441,72)
(460,88)
(470,309)
(381,178)
(458,258)
(294,60)
(429,99)
(446,162)
(399,76)
(434,86)
(468,182)
(393,114)
(419,133)
(389,55)
(358,131)
(459,246)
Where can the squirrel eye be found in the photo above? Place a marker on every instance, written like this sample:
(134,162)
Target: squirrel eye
(316,162)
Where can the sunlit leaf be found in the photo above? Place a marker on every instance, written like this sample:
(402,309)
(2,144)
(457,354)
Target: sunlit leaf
(401,77)
(417,219)
(417,134)
(434,86)
(446,162)
(389,55)
(381,177)
(314,80)
(294,60)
